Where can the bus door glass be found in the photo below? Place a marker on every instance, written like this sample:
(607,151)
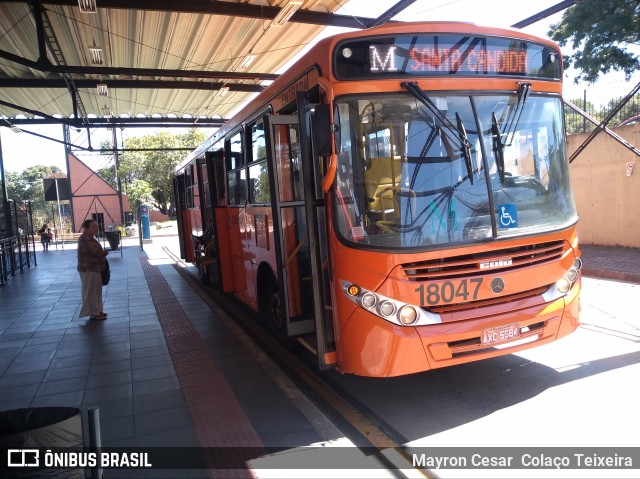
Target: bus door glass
(297,237)
(290,226)
(223,267)
(178,198)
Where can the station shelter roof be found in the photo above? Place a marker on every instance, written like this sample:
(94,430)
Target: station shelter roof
(84,61)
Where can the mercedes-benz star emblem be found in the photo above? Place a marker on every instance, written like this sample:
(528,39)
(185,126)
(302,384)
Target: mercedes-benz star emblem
(497,285)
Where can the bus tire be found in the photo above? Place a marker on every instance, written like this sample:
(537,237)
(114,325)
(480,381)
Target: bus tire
(268,298)
(275,308)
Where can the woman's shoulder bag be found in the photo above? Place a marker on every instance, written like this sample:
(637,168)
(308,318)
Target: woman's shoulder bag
(106,273)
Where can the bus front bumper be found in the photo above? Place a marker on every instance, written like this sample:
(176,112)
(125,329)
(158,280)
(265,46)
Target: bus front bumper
(370,346)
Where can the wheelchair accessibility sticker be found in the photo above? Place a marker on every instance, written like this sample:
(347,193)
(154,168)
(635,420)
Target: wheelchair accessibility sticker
(508,216)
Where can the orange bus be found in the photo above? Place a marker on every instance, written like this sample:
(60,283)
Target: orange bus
(398,201)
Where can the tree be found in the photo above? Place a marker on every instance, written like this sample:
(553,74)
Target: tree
(108,172)
(600,32)
(28,186)
(630,109)
(155,166)
(575,122)
(140,194)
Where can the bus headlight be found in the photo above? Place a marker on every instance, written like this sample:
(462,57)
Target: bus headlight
(563,285)
(572,274)
(408,315)
(368,300)
(388,309)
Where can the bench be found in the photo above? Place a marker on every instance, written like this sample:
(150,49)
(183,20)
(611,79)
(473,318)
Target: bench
(69,237)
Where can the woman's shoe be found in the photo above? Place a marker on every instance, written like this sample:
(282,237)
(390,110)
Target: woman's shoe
(100,317)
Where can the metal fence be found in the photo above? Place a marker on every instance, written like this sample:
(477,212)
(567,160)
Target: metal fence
(598,103)
(17,242)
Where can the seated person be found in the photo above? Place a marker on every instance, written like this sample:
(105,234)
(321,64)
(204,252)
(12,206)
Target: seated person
(204,241)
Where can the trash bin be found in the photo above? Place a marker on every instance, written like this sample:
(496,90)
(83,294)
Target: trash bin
(113,237)
(45,428)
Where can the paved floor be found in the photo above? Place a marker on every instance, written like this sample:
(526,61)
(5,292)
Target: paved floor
(611,262)
(164,369)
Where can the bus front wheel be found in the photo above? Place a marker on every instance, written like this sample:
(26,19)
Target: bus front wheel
(275,308)
(269,300)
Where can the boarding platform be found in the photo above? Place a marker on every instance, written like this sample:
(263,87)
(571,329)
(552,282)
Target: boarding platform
(166,369)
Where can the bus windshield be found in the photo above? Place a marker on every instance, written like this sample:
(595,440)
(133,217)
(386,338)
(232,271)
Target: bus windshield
(453,169)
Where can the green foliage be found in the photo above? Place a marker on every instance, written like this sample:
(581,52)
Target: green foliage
(575,123)
(140,193)
(632,108)
(600,32)
(154,167)
(28,186)
(108,172)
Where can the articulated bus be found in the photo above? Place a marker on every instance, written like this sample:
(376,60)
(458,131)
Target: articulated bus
(397,201)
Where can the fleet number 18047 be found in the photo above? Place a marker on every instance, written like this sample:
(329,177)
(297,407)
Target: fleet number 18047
(449,291)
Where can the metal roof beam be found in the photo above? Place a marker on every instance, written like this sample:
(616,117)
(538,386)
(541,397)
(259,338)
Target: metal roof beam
(118,122)
(558,7)
(152,72)
(137,84)
(108,122)
(37,16)
(28,110)
(392,12)
(209,7)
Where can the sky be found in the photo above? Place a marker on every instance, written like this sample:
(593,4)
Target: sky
(21,150)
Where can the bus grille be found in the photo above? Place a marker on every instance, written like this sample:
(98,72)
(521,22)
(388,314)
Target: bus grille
(497,301)
(470,264)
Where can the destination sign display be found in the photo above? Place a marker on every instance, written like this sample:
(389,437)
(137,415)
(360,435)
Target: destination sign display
(445,55)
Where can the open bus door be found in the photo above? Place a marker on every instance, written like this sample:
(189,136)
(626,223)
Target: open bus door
(178,198)
(300,236)
(215,184)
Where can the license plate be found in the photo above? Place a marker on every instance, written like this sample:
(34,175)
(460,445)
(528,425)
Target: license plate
(500,334)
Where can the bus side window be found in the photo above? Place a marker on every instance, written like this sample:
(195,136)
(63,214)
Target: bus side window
(191,186)
(259,192)
(236,171)
(236,185)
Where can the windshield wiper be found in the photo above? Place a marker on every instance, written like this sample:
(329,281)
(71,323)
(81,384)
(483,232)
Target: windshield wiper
(498,146)
(512,125)
(455,134)
(465,146)
(523,94)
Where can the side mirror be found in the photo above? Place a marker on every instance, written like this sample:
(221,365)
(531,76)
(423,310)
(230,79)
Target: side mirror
(322,129)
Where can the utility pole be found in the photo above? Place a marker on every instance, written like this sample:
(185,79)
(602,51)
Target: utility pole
(5,200)
(118,183)
(59,209)
(67,151)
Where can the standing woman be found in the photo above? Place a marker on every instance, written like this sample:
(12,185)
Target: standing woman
(44,236)
(90,264)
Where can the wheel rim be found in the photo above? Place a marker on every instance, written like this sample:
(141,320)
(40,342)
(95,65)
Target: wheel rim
(276,311)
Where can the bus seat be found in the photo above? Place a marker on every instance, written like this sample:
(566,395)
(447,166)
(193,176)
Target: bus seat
(381,181)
